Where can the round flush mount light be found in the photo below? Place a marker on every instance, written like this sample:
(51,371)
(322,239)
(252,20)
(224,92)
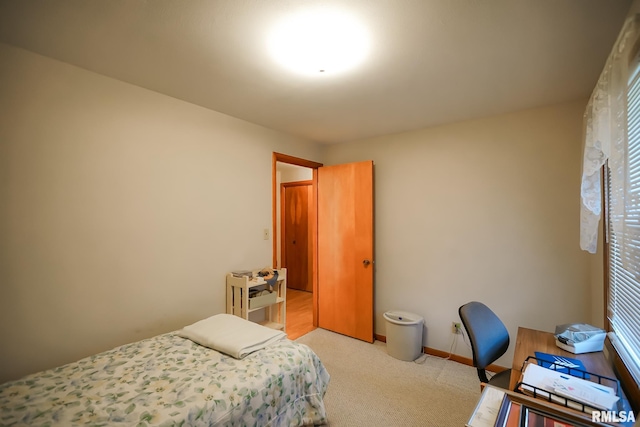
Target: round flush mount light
(319,41)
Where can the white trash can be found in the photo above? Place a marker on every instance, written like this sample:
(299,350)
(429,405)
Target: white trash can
(404,335)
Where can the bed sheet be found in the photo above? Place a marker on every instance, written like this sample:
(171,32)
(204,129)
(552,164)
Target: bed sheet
(171,381)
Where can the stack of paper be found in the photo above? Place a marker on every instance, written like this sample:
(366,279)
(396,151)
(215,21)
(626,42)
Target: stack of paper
(558,384)
(486,411)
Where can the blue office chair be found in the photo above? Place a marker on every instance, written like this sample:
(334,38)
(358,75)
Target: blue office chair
(489,340)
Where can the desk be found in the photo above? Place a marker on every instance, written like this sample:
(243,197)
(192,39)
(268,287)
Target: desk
(529,341)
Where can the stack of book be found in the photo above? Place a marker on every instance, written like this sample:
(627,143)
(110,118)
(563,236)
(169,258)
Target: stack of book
(242,273)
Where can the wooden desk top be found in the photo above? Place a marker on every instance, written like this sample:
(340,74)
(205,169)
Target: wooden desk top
(529,341)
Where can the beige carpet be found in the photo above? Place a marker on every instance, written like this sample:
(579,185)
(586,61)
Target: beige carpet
(370,388)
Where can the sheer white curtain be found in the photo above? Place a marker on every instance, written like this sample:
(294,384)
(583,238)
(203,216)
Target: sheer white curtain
(606,138)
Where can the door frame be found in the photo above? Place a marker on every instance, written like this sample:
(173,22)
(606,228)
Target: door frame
(285,158)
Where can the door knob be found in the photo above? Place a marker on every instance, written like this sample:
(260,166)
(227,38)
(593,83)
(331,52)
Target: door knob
(366,262)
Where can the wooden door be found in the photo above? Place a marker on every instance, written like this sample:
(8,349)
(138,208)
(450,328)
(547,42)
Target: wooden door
(296,238)
(345,249)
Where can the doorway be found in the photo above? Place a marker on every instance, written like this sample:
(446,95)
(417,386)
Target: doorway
(294,232)
(341,221)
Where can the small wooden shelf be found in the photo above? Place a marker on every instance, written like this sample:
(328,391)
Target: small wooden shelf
(238,301)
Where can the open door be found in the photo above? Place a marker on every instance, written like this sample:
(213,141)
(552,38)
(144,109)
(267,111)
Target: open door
(341,220)
(345,249)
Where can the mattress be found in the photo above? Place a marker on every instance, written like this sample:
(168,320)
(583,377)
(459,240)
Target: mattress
(169,380)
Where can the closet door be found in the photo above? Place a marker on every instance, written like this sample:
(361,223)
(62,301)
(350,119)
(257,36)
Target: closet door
(296,253)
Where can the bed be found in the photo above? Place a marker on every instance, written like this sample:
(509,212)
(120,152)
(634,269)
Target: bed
(169,380)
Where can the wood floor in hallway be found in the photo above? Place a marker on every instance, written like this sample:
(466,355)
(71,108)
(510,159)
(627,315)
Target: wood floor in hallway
(299,313)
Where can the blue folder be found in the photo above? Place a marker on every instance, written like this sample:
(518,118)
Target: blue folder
(563,364)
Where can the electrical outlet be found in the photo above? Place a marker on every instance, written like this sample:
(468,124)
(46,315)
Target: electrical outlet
(455,327)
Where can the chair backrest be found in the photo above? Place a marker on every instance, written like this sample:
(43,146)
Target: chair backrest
(488,335)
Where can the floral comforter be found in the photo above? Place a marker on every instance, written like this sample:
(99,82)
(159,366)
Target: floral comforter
(171,381)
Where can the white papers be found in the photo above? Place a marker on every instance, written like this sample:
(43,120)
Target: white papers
(486,412)
(591,394)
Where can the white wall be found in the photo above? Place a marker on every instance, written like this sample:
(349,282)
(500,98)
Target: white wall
(635,8)
(482,210)
(292,173)
(121,210)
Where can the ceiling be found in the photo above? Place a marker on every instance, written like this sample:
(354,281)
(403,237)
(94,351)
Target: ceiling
(431,61)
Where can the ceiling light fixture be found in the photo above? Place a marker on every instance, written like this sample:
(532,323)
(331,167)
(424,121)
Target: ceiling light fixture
(319,41)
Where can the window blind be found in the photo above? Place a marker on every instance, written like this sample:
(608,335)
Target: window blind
(623,230)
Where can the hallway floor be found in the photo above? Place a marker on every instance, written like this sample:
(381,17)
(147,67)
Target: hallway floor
(299,313)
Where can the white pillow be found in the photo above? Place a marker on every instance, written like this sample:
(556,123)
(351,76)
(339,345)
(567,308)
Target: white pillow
(231,335)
